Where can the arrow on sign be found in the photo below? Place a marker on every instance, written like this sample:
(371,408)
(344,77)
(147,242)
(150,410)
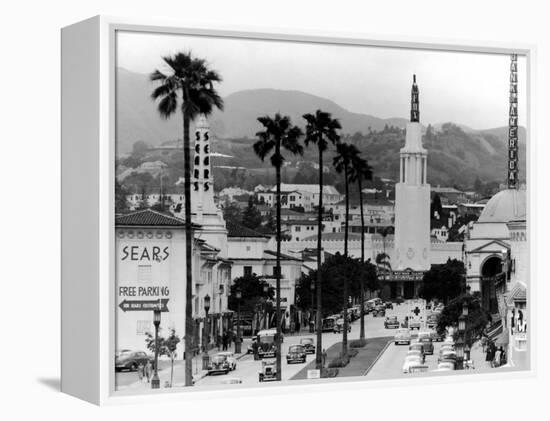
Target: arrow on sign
(144,305)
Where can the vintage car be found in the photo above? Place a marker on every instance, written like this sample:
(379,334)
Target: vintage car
(445,366)
(328,324)
(427,345)
(308,344)
(403,336)
(130,360)
(399,300)
(415,323)
(436,337)
(267,347)
(417,346)
(219,364)
(296,354)
(447,356)
(379,311)
(268,372)
(418,353)
(339,326)
(230,358)
(412,361)
(391,323)
(431,321)
(388,304)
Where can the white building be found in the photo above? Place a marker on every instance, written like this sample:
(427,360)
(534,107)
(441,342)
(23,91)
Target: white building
(300,195)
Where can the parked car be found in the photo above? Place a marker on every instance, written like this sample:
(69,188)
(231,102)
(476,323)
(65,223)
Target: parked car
(268,371)
(403,336)
(436,337)
(417,346)
(415,323)
(339,326)
(399,300)
(417,352)
(266,343)
(308,344)
(230,358)
(411,361)
(379,311)
(427,345)
(445,366)
(389,305)
(130,360)
(447,356)
(391,322)
(296,354)
(219,364)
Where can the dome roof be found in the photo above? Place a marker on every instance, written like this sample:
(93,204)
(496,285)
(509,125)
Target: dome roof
(505,206)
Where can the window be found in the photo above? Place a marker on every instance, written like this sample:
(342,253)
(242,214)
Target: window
(247,271)
(298,228)
(247,248)
(292,198)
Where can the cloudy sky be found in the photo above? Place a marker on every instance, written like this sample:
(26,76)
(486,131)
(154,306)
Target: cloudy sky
(466,88)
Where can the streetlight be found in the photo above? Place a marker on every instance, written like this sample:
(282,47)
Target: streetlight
(205,357)
(238,295)
(459,345)
(311,317)
(155,381)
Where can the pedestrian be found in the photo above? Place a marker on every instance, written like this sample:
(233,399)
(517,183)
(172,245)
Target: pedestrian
(496,359)
(502,356)
(489,355)
(148,371)
(140,372)
(324,357)
(224,341)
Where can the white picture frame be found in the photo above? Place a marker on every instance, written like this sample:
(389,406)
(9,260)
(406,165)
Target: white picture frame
(88,133)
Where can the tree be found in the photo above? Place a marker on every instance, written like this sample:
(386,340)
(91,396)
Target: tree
(188,87)
(336,270)
(251,216)
(321,129)
(360,170)
(345,156)
(139,149)
(252,290)
(444,282)
(476,320)
(279,134)
(232,213)
(121,203)
(166,346)
(478,185)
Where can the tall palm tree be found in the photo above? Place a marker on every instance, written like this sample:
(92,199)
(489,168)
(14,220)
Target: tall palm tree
(345,155)
(361,170)
(188,85)
(321,129)
(279,133)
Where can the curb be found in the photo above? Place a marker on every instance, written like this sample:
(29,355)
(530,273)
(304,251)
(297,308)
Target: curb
(377,358)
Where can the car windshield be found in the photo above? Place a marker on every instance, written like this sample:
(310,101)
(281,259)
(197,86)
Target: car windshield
(225,354)
(218,359)
(412,358)
(392,319)
(267,339)
(306,341)
(296,348)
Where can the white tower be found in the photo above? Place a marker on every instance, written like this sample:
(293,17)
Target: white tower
(412,198)
(203,208)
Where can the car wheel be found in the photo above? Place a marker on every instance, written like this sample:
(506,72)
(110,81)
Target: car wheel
(133,367)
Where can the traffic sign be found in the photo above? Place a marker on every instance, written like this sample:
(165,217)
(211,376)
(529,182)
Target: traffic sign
(144,305)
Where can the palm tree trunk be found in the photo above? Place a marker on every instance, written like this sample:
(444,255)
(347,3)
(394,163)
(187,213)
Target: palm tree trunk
(319,350)
(362,331)
(188,255)
(346,228)
(278,264)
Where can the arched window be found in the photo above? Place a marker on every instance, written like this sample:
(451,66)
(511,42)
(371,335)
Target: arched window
(206,174)
(197,160)
(207,161)
(196,173)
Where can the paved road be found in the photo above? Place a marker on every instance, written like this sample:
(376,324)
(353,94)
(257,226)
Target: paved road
(247,369)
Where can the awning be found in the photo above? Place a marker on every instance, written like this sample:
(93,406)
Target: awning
(495,331)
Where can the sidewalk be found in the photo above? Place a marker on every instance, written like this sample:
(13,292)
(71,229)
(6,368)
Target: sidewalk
(179,370)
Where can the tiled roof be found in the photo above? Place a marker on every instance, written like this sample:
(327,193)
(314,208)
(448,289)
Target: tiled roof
(237,230)
(334,236)
(148,217)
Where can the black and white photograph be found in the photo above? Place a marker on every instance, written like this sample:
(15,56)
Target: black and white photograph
(290,211)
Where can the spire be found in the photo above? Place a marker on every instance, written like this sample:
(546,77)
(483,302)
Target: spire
(513,126)
(415,106)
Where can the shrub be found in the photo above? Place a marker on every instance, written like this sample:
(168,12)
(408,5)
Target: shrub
(338,362)
(329,372)
(352,352)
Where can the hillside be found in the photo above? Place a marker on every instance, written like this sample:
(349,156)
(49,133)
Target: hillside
(137,118)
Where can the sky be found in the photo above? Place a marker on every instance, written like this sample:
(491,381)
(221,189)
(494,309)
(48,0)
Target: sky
(465,88)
